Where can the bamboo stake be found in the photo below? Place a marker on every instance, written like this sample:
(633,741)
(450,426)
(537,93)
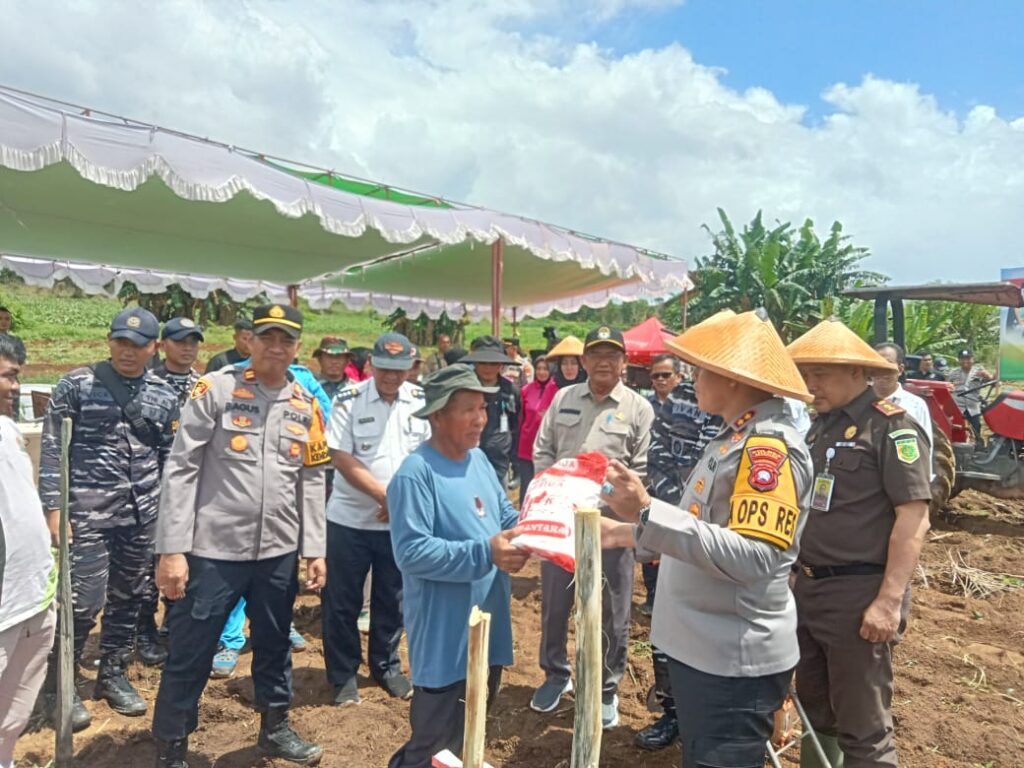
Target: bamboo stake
(477,671)
(64,747)
(586,736)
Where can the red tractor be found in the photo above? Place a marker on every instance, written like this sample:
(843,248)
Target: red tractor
(995,467)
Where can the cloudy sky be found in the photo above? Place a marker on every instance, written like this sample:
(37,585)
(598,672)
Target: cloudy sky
(631,119)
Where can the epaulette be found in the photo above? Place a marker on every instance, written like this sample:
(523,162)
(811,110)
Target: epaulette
(346,394)
(887,408)
(418,393)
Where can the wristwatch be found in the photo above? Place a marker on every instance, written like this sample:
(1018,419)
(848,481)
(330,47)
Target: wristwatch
(645,513)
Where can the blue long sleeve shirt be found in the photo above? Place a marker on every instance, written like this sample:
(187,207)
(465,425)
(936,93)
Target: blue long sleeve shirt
(443,515)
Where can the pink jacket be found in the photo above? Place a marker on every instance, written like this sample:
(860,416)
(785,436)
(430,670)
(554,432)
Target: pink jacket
(536,399)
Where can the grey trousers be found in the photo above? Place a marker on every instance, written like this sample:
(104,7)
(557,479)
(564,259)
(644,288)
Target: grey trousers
(558,594)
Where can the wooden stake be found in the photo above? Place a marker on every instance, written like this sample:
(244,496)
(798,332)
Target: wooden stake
(64,747)
(477,672)
(586,736)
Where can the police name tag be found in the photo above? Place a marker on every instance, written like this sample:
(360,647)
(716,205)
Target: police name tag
(821,496)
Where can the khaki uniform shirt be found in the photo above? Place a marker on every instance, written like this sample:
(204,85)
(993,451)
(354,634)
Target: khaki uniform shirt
(724,605)
(619,427)
(245,478)
(880,462)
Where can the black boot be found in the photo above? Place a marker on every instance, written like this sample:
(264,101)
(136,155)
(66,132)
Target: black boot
(277,739)
(663,733)
(113,685)
(44,713)
(171,754)
(147,643)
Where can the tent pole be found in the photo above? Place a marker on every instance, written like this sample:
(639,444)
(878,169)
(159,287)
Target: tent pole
(515,323)
(497,266)
(293,295)
(684,299)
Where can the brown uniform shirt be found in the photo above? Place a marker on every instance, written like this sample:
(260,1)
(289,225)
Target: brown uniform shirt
(880,462)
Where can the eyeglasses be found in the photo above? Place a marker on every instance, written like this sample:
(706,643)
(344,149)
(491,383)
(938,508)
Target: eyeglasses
(656,376)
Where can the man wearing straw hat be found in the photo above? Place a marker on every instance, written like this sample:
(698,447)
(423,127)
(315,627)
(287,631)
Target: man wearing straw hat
(451,524)
(868,522)
(723,612)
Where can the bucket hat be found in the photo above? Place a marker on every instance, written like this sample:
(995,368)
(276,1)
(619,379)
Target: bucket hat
(439,386)
(832,343)
(488,349)
(745,348)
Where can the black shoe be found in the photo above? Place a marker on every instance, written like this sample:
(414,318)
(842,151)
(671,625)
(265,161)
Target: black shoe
(112,685)
(80,717)
(277,739)
(663,733)
(171,754)
(151,652)
(397,685)
(44,714)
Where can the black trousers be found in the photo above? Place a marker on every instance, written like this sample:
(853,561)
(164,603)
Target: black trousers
(437,717)
(725,722)
(526,474)
(195,623)
(975,421)
(351,553)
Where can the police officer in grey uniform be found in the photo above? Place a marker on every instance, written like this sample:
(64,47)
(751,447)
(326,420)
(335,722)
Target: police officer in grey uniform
(681,432)
(723,611)
(179,340)
(243,497)
(601,415)
(123,418)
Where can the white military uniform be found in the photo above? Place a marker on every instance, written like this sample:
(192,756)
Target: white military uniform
(380,435)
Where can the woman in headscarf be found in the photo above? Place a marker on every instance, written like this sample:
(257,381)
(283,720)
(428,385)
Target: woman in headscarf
(723,612)
(536,399)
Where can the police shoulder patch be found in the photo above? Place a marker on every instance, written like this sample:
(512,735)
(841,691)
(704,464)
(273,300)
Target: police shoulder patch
(764,503)
(201,388)
(887,408)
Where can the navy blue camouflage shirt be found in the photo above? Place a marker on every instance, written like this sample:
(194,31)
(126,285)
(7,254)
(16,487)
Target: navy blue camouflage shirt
(114,473)
(680,433)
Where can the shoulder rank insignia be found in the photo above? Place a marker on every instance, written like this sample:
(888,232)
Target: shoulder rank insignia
(417,392)
(201,388)
(346,394)
(249,374)
(889,409)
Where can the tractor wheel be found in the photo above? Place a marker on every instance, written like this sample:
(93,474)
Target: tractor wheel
(944,467)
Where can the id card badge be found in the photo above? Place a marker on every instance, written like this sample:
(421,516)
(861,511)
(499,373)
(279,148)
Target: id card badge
(503,424)
(824,484)
(821,496)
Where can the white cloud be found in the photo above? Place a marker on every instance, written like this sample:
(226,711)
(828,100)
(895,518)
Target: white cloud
(506,104)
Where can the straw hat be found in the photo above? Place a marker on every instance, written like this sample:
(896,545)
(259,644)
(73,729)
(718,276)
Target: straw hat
(744,348)
(570,346)
(832,343)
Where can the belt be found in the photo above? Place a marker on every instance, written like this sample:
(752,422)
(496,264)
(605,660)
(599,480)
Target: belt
(828,571)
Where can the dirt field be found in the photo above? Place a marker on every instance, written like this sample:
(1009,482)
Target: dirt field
(959,687)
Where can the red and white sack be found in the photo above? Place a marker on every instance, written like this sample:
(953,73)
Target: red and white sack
(548,513)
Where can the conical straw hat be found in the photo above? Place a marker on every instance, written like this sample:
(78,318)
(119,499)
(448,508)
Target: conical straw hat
(569,346)
(832,343)
(745,348)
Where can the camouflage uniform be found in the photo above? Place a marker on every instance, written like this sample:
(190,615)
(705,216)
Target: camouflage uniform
(680,433)
(182,382)
(114,486)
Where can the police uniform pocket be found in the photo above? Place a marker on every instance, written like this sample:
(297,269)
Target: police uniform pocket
(292,444)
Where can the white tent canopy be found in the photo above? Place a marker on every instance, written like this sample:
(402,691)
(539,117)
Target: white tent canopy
(81,190)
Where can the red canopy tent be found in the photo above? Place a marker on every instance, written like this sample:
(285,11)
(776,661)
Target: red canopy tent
(646,340)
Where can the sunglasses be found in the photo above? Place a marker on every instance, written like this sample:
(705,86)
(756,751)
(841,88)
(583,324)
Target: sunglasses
(657,376)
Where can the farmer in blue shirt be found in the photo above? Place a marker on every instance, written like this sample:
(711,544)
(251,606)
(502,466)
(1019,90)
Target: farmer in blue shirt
(451,524)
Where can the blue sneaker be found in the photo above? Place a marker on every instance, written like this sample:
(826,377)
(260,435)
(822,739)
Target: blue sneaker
(224,662)
(297,640)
